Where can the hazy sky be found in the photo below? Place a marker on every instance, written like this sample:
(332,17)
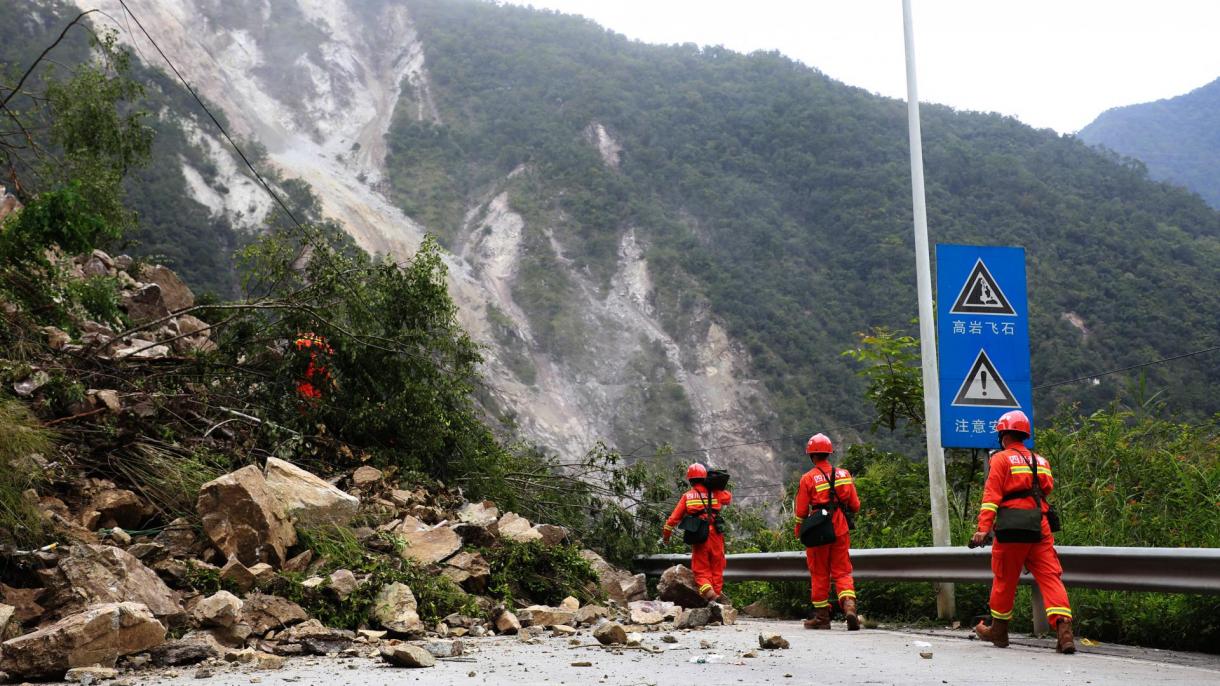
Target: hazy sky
(1051,63)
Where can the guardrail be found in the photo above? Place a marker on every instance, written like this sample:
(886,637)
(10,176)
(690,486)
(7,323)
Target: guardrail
(1168,570)
(1165,570)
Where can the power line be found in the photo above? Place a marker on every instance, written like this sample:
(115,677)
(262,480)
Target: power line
(215,121)
(1162,360)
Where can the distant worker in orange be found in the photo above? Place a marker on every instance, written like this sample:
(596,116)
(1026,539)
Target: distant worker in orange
(697,516)
(1016,512)
(824,497)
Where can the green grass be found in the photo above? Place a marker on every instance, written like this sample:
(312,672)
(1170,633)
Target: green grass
(21,436)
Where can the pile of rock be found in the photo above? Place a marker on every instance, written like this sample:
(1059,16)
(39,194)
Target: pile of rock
(111,597)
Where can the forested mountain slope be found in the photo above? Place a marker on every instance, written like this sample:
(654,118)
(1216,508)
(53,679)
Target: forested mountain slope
(654,244)
(1178,138)
(778,199)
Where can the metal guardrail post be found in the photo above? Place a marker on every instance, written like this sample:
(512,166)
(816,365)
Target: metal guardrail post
(1041,625)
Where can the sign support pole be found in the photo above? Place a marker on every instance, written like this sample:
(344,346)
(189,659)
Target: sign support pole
(945,603)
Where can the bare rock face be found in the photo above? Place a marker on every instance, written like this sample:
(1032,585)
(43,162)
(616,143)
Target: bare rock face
(99,635)
(174,293)
(517,528)
(93,574)
(468,570)
(118,507)
(395,609)
(24,601)
(693,617)
(243,518)
(677,585)
(431,545)
(262,613)
(307,499)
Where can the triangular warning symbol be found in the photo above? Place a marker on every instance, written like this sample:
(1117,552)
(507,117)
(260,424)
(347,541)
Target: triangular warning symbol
(984,386)
(982,295)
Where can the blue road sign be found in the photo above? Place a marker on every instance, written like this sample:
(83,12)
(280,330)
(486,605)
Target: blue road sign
(983,331)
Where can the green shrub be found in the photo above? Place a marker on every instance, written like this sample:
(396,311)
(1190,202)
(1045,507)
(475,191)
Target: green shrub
(535,572)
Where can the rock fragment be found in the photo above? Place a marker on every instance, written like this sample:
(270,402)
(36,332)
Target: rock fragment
(772,641)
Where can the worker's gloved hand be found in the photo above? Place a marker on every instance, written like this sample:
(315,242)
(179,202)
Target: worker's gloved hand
(978,539)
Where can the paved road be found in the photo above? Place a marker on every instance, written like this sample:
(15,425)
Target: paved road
(836,657)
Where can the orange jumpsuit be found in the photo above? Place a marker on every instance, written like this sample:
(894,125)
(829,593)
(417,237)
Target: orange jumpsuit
(707,558)
(1010,471)
(833,560)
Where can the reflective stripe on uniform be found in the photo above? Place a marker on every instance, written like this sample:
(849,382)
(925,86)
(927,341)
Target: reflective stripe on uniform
(846,594)
(821,603)
(704,587)
(1062,611)
(990,507)
(1002,615)
(668,527)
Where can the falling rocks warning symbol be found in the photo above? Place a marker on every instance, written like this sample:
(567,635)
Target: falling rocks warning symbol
(984,386)
(982,295)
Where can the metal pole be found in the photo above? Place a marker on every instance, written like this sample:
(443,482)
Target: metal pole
(945,605)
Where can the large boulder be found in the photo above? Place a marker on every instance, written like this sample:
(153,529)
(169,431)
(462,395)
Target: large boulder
(307,499)
(407,655)
(144,304)
(395,609)
(262,613)
(619,585)
(468,570)
(99,635)
(482,513)
(118,507)
(514,527)
(431,546)
(541,615)
(93,574)
(316,639)
(220,609)
(174,293)
(677,585)
(243,518)
(191,649)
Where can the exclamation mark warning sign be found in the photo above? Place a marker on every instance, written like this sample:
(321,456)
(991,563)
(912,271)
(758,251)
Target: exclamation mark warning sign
(984,386)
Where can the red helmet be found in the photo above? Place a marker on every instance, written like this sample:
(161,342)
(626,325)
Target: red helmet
(1013,421)
(696,471)
(819,443)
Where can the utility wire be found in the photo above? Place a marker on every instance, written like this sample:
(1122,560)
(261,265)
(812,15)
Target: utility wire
(215,121)
(1162,360)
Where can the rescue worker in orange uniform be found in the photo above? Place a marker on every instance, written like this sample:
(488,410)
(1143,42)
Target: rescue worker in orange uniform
(831,561)
(707,558)
(1010,484)
(316,376)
